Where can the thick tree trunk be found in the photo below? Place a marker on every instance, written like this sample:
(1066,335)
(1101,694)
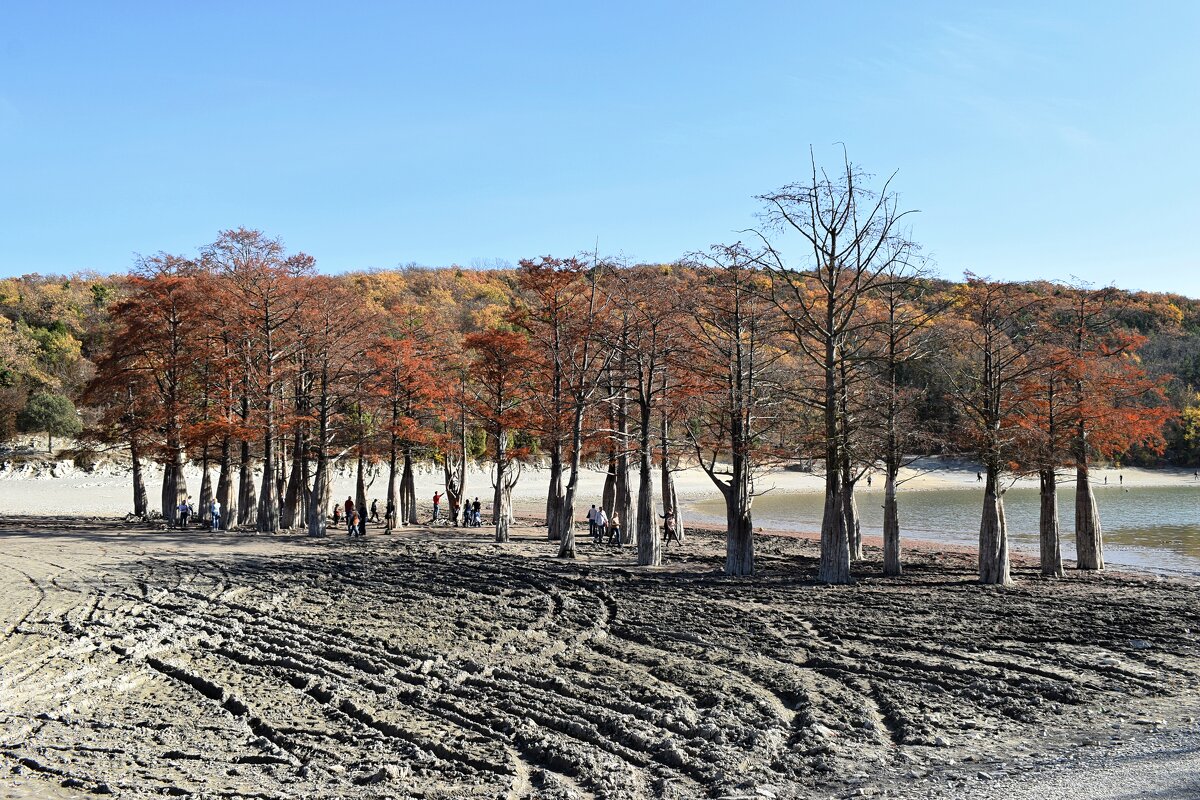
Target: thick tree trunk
(174,485)
(739,536)
(408,489)
(295,486)
(1089,539)
(679,531)
(891,527)
(648,541)
(204,512)
(141,500)
(499,505)
(834,567)
(247,502)
(360,488)
(320,495)
(608,495)
(554,495)
(623,497)
(739,541)
(225,486)
(268,501)
(1051,555)
(993,534)
(393,486)
(853,522)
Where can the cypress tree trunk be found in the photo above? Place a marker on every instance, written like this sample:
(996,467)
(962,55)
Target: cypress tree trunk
(408,488)
(1089,539)
(566,521)
(623,496)
(291,516)
(360,487)
(834,567)
(174,489)
(247,502)
(499,506)
(993,534)
(678,511)
(853,523)
(739,537)
(393,485)
(649,544)
(320,496)
(891,527)
(225,485)
(141,501)
(608,497)
(206,488)
(1051,556)
(554,495)
(268,502)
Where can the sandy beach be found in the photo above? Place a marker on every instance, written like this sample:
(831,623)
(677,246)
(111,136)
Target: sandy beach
(57,488)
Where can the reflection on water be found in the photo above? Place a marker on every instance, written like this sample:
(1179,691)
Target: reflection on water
(1148,527)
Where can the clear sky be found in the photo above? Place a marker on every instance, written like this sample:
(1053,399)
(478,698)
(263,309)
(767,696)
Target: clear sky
(1037,139)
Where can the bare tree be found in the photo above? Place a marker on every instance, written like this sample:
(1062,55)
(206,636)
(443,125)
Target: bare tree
(852,238)
(735,357)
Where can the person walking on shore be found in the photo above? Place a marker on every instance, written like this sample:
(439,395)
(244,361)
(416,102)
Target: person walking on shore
(591,518)
(601,525)
(614,529)
(214,513)
(375,510)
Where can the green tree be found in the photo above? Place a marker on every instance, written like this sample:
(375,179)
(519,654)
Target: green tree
(52,413)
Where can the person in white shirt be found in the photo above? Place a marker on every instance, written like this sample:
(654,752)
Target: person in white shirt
(601,524)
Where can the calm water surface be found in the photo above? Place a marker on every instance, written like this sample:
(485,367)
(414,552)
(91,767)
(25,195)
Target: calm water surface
(1155,528)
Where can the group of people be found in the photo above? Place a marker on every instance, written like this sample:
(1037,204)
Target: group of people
(187,512)
(357,518)
(600,526)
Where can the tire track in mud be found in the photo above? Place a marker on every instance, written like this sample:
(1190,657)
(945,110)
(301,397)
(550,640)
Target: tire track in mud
(354,669)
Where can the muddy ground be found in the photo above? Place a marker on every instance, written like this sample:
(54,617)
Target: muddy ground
(437,664)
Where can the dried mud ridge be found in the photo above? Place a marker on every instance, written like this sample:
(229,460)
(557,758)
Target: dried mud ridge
(438,666)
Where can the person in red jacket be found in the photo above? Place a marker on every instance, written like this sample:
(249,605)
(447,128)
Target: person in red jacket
(437,502)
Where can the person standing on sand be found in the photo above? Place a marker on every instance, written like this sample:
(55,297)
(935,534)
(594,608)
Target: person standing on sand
(591,518)
(183,514)
(337,514)
(214,512)
(437,505)
(349,506)
(475,513)
(351,521)
(389,517)
(601,525)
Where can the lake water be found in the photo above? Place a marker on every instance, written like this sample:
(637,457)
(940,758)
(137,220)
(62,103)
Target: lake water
(1155,528)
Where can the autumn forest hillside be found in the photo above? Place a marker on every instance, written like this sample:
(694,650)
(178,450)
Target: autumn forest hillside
(55,329)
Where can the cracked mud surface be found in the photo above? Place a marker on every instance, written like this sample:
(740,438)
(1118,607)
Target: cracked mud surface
(437,664)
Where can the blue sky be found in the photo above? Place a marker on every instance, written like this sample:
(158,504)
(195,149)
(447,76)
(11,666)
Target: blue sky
(1037,140)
